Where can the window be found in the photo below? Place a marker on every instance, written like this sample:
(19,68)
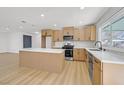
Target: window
(113,34)
(27,41)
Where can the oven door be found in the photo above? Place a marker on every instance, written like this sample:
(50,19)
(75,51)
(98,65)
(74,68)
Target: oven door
(69,53)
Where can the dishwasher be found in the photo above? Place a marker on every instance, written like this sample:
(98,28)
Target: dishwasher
(90,65)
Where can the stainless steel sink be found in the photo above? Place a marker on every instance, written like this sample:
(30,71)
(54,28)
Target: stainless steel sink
(94,49)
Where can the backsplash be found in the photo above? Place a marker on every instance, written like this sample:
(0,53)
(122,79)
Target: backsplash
(87,44)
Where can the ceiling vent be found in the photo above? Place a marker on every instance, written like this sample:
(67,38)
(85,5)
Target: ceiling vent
(23,21)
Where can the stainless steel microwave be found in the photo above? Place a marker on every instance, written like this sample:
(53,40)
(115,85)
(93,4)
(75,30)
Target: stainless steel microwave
(67,38)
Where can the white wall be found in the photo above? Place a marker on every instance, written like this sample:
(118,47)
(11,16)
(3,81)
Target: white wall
(16,41)
(3,41)
(37,40)
(13,41)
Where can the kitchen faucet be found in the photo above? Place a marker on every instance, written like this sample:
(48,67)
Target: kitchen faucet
(99,43)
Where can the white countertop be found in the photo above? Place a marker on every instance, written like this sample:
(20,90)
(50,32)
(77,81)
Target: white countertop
(107,56)
(48,50)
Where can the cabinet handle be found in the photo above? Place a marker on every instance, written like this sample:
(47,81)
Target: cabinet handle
(67,32)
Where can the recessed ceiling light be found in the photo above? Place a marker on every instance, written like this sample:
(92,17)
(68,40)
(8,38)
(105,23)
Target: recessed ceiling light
(7,28)
(36,32)
(82,8)
(42,15)
(54,25)
(80,22)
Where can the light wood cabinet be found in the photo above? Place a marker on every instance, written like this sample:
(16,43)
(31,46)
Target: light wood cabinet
(90,33)
(76,54)
(79,54)
(44,33)
(79,34)
(68,31)
(76,34)
(97,72)
(57,35)
(43,42)
(93,33)
(87,35)
(47,32)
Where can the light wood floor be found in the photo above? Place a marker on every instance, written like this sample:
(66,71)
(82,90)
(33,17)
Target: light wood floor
(74,73)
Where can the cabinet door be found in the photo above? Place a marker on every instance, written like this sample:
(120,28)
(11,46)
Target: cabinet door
(76,54)
(79,54)
(43,42)
(76,34)
(87,32)
(68,31)
(44,33)
(93,33)
(85,55)
(97,72)
(82,55)
(49,32)
(82,33)
(58,35)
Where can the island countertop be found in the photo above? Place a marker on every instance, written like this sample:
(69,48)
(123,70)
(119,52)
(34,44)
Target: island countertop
(47,50)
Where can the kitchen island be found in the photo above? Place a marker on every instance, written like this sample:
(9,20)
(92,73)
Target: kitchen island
(51,60)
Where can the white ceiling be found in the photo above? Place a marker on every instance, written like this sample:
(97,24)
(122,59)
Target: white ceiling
(10,18)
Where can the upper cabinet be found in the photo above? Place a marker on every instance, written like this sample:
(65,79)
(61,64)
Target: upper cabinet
(93,32)
(79,34)
(68,31)
(90,33)
(57,35)
(76,34)
(47,32)
(85,33)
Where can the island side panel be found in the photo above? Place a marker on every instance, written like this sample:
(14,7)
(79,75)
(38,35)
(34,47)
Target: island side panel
(52,62)
(113,74)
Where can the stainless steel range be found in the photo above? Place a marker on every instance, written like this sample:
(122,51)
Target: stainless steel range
(68,51)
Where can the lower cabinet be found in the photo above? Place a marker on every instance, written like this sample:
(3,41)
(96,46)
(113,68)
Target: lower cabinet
(97,72)
(79,54)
